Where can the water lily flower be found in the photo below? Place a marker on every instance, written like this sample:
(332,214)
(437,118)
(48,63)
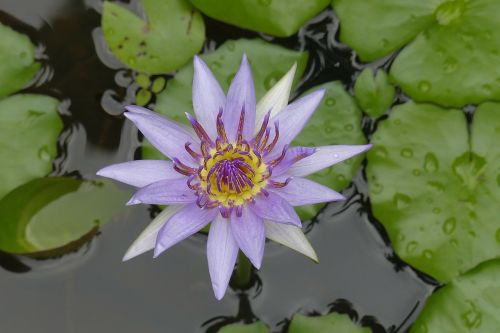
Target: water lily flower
(233,169)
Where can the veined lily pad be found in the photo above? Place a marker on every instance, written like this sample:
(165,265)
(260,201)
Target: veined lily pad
(17,61)
(470,303)
(455,58)
(336,121)
(373,92)
(171,35)
(257,327)
(269,63)
(435,188)
(29,128)
(280,18)
(50,214)
(331,323)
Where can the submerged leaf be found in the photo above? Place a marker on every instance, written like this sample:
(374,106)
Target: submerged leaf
(331,323)
(280,18)
(470,303)
(172,34)
(336,121)
(435,189)
(47,215)
(29,128)
(17,61)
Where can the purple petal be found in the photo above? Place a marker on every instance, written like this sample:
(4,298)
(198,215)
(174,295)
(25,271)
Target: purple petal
(241,94)
(250,235)
(140,173)
(164,192)
(208,97)
(324,157)
(167,136)
(292,155)
(301,191)
(273,207)
(290,236)
(183,224)
(294,117)
(222,251)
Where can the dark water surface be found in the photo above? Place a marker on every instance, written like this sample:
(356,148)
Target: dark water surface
(93,291)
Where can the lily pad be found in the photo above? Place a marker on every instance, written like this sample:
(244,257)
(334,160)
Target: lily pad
(29,128)
(455,57)
(51,214)
(331,323)
(373,92)
(257,327)
(281,18)
(336,121)
(470,303)
(269,63)
(435,188)
(172,34)
(17,61)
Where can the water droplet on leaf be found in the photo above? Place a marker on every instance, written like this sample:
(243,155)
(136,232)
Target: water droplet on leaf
(424,86)
(431,163)
(401,200)
(407,152)
(449,225)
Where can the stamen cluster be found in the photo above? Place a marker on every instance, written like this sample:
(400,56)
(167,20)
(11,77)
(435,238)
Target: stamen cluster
(231,173)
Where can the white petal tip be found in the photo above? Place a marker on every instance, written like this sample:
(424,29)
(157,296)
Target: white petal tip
(219,293)
(133,201)
(127,256)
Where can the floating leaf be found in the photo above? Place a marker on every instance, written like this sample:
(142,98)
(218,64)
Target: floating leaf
(336,121)
(435,189)
(142,97)
(17,61)
(373,92)
(29,128)
(454,61)
(376,28)
(158,85)
(257,327)
(143,80)
(269,63)
(280,18)
(50,214)
(470,303)
(172,34)
(331,323)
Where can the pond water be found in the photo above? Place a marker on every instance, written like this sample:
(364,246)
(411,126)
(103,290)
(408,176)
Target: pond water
(91,290)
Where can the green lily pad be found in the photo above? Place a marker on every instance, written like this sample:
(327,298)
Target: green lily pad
(281,18)
(373,92)
(337,121)
(29,128)
(470,303)
(49,215)
(435,189)
(455,58)
(17,61)
(257,327)
(331,323)
(172,34)
(269,63)
(376,28)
